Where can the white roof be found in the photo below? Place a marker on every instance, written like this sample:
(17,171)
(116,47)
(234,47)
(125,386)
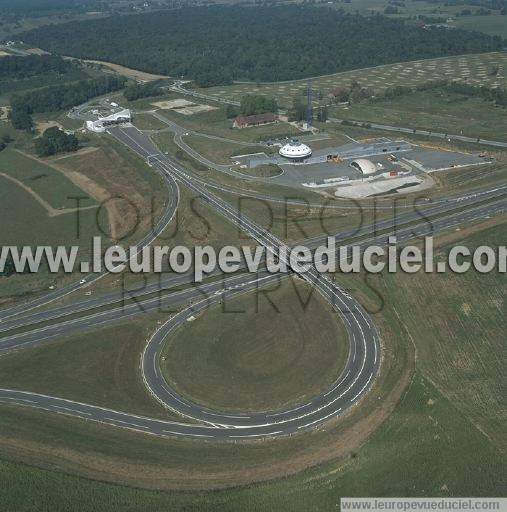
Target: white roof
(364,165)
(125,113)
(295,149)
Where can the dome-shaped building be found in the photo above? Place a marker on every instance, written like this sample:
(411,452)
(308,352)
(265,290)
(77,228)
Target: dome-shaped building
(365,166)
(295,150)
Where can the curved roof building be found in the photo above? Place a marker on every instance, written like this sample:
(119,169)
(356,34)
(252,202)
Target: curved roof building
(364,165)
(295,150)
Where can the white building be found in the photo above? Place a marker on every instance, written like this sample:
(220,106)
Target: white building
(295,150)
(100,125)
(366,167)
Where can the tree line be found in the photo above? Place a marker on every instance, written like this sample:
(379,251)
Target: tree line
(497,95)
(218,44)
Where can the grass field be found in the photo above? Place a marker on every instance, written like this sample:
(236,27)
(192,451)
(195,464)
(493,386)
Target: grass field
(147,122)
(42,179)
(31,209)
(38,207)
(277,362)
(492,25)
(460,347)
(218,151)
(474,68)
(426,448)
(435,110)
(215,122)
(131,193)
(25,222)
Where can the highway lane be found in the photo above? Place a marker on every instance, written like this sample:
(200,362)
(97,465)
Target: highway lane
(428,133)
(394,224)
(158,290)
(165,303)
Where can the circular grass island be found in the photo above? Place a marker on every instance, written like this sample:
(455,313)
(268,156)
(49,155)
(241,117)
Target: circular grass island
(258,352)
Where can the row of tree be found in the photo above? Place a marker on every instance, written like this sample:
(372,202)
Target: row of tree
(61,97)
(219,44)
(496,95)
(54,141)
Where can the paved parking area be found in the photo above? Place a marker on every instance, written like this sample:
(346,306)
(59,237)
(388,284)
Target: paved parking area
(398,156)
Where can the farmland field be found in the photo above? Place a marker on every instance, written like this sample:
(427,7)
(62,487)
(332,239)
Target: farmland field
(475,69)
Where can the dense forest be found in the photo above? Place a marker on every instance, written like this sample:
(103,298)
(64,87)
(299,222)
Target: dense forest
(219,44)
(35,8)
(19,67)
(61,97)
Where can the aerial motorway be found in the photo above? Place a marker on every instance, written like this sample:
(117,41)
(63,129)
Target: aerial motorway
(364,357)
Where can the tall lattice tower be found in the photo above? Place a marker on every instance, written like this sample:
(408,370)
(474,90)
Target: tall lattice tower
(309,106)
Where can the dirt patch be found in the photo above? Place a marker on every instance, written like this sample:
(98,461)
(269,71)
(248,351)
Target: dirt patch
(183,106)
(168,105)
(122,70)
(91,188)
(36,51)
(118,185)
(196,109)
(42,126)
(82,151)
(4,54)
